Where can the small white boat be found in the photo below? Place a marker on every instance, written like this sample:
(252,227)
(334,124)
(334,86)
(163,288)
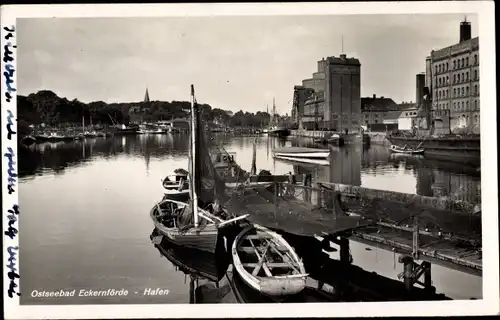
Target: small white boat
(320,162)
(406,150)
(299,152)
(177,182)
(267,263)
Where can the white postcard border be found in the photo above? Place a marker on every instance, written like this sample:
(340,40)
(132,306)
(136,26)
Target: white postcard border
(488,305)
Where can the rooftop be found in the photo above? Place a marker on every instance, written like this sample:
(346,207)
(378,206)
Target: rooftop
(471,44)
(375,103)
(342,59)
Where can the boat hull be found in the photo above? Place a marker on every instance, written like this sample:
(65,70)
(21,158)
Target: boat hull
(279,132)
(310,155)
(444,147)
(399,150)
(272,286)
(320,162)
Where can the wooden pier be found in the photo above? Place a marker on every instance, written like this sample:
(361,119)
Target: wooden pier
(425,230)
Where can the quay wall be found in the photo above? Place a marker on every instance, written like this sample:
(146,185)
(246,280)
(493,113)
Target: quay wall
(308,133)
(373,137)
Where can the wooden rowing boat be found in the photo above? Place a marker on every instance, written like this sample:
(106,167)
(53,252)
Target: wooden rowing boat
(299,152)
(406,150)
(267,263)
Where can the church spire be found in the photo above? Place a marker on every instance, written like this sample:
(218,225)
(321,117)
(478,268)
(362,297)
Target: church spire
(146,96)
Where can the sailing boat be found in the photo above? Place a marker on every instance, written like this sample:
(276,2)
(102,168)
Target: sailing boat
(81,135)
(187,224)
(276,129)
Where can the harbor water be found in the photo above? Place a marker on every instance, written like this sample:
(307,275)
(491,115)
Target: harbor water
(85,224)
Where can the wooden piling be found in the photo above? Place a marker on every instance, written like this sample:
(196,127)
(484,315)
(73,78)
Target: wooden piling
(408,265)
(344,250)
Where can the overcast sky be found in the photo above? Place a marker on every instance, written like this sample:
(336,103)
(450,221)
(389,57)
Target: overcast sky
(234,62)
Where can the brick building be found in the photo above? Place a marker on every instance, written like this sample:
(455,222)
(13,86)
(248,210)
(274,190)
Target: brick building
(452,74)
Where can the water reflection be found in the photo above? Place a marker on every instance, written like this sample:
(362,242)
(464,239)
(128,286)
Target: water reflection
(373,167)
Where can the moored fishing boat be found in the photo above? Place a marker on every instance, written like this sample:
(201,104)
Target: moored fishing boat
(267,263)
(188,224)
(28,140)
(299,152)
(406,150)
(330,138)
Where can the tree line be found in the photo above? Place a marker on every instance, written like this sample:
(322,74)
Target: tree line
(48,108)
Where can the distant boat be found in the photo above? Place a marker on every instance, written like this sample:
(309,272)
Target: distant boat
(28,140)
(330,138)
(299,152)
(278,131)
(267,263)
(406,150)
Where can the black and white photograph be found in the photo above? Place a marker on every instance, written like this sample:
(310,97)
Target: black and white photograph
(160,156)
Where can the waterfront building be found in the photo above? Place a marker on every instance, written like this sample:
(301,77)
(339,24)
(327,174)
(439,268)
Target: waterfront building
(300,95)
(452,74)
(332,97)
(374,111)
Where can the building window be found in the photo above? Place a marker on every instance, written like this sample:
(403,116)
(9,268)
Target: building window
(454,64)
(463,106)
(475,59)
(454,106)
(454,92)
(376,121)
(446,66)
(467,76)
(463,91)
(439,81)
(467,105)
(447,80)
(475,89)
(476,118)
(475,105)
(454,78)
(467,61)
(436,69)
(475,74)
(467,90)
(463,77)
(463,63)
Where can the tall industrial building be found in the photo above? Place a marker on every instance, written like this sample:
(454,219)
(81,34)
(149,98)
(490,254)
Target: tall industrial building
(333,96)
(452,74)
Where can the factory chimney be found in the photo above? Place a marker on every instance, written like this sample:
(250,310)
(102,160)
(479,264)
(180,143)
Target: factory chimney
(465,30)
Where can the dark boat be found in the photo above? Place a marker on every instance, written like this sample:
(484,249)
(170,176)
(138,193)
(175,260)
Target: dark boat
(28,140)
(211,266)
(278,131)
(449,146)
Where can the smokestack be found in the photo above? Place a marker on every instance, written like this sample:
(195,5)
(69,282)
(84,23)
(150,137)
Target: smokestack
(420,84)
(465,30)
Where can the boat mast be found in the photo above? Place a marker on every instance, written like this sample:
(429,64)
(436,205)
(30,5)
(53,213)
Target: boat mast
(192,184)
